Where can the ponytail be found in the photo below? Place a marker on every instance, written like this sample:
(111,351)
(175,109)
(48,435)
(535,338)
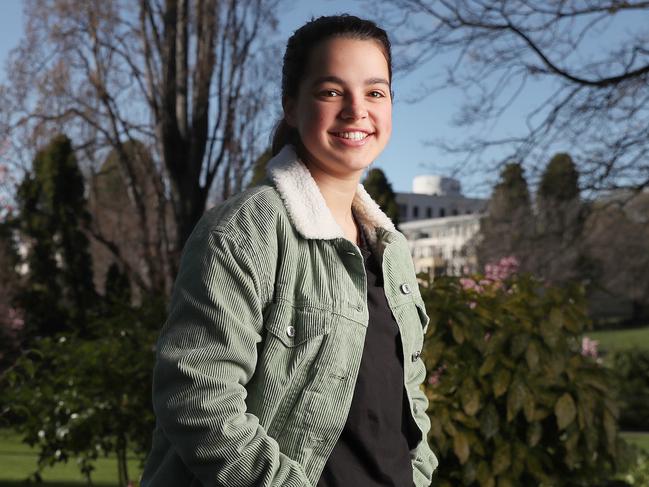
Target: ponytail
(284,134)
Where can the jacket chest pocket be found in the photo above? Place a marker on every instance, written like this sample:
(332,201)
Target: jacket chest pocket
(294,335)
(294,326)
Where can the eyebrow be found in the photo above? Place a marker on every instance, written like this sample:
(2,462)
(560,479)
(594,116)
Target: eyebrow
(336,79)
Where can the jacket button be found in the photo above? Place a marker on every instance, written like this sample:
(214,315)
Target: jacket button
(290,331)
(405,288)
(416,355)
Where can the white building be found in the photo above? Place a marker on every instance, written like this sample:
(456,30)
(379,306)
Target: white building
(442,226)
(436,197)
(444,246)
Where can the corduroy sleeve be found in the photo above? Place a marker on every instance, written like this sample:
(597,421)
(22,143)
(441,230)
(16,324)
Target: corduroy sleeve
(424,461)
(207,353)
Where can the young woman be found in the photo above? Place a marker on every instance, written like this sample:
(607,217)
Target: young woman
(291,353)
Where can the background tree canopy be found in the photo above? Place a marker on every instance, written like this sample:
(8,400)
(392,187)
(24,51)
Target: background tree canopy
(594,54)
(187,79)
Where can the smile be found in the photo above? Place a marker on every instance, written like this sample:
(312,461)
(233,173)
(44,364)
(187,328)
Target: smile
(351,135)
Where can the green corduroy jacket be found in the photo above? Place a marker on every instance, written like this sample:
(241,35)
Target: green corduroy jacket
(257,362)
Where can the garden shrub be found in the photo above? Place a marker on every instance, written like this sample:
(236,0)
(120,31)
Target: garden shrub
(637,474)
(81,398)
(632,369)
(513,400)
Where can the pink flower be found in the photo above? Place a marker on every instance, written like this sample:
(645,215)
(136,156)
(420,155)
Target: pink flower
(589,347)
(469,284)
(502,269)
(436,375)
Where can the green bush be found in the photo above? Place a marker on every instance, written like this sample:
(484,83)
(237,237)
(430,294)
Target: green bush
(79,398)
(632,369)
(638,474)
(513,400)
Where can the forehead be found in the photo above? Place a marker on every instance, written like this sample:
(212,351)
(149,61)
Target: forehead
(348,59)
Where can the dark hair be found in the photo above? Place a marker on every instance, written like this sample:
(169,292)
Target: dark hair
(299,48)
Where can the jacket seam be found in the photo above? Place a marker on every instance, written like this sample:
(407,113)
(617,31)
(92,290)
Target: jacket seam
(241,242)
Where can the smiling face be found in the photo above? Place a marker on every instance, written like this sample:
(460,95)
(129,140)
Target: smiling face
(343,110)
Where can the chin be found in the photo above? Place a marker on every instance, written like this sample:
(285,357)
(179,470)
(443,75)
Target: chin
(352,164)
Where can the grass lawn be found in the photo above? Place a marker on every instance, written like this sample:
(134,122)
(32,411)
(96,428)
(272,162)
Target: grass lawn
(614,340)
(18,461)
(638,438)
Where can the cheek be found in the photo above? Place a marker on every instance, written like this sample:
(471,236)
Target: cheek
(317,118)
(386,119)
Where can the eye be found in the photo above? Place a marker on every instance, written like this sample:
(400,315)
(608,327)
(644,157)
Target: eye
(376,94)
(329,93)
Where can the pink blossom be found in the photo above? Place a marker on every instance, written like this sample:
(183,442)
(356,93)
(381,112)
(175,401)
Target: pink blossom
(469,284)
(15,319)
(502,269)
(589,347)
(436,375)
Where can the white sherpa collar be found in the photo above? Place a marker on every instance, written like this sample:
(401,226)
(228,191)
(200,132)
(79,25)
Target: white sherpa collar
(306,206)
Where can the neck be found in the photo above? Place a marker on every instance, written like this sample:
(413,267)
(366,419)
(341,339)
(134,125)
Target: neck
(338,193)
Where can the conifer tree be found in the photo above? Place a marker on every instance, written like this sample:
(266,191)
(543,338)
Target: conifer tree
(507,230)
(380,189)
(559,223)
(58,291)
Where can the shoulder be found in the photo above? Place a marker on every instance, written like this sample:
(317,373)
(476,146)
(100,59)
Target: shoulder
(251,215)
(243,230)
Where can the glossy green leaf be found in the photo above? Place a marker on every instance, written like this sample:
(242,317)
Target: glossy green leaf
(489,421)
(534,434)
(565,411)
(515,399)
(461,447)
(502,458)
(519,344)
(488,365)
(470,397)
(501,382)
(458,334)
(532,355)
(484,476)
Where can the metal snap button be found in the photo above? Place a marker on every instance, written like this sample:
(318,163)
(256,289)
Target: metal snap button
(405,288)
(416,355)
(290,331)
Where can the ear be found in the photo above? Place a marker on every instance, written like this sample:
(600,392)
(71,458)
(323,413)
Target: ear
(288,104)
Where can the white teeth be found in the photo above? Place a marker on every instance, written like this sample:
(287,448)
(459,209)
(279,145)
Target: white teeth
(352,135)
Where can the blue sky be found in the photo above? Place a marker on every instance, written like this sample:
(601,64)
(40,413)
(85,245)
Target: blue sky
(407,154)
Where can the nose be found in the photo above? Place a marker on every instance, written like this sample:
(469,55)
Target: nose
(354,108)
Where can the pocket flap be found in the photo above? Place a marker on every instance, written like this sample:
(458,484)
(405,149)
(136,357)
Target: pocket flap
(294,325)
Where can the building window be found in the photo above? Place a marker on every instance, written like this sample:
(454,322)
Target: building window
(454,211)
(442,212)
(415,212)
(429,212)
(403,211)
